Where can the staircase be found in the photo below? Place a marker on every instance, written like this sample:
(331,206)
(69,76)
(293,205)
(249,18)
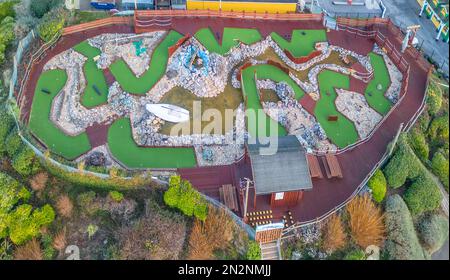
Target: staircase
(270,250)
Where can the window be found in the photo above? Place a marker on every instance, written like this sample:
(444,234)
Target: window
(279,195)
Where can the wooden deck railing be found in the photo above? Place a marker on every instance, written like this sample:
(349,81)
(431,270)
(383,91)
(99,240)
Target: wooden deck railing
(98,23)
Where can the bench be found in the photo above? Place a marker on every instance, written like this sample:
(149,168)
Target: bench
(314,167)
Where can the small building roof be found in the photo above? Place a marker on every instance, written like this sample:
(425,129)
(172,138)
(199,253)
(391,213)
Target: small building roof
(281,168)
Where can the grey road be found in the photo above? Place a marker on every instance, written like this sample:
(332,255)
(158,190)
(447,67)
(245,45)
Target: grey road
(405,13)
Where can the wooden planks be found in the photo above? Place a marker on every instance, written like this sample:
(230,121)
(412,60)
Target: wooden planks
(229,197)
(333,164)
(314,167)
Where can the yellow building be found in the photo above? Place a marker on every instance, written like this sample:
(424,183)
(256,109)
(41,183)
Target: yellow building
(260,6)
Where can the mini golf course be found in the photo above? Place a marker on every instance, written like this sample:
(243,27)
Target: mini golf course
(58,142)
(375,97)
(302,41)
(340,131)
(125,150)
(158,63)
(96,91)
(231,38)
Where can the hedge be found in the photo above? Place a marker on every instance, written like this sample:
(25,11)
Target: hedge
(401,242)
(25,162)
(253,251)
(439,130)
(51,24)
(419,144)
(440,166)
(403,165)
(6,124)
(183,196)
(434,99)
(433,231)
(378,186)
(423,195)
(13,143)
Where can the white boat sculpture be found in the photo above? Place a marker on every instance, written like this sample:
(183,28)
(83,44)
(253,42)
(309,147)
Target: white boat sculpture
(168,112)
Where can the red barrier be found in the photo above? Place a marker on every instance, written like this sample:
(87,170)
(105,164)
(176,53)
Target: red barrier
(279,65)
(243,67)
(180,42)
(302,59)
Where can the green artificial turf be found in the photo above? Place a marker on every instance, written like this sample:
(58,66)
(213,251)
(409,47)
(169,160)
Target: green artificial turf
(302,41)
(132,84)
(341,132)
(375,97)
(231,38)
(250,91)
(94,77)
(125,150)
(87,50)
(40,124)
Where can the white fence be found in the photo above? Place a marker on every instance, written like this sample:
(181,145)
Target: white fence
(23,45)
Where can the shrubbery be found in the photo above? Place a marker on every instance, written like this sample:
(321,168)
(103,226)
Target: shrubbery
(52,23)
(419,144)
(41,7)
(7,9)
(378,186)
(253,251)
(6,35)
(355,255)
(439,165)
(25,162)
(13,143)
(433,231)
(401,242)
(6,125)
(116,196)
(434,98)
(403,165)
(423,195)
(183,196)
(438,130)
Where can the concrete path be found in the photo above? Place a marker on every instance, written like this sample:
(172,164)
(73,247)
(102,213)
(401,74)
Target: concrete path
(405,13)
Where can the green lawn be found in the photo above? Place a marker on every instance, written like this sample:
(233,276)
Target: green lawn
(375,97)
(231,38)
(341,132)
(130,83)
(302,41)
(94,77)
(56,141)
(124,148)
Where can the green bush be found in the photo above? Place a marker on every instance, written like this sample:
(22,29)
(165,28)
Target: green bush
(253,251)
(439,165)
(47,242)
(401,242)
(433,231)
(403,165)
(355,255)
(13,144)
(51,24)
(7,9)
(116,196)
(419,144)
(183,196)
(24,223)
(25,162)
(6,125)
(11,192)
(41,7)
(6,35)
(438,130)
(424,121)
(434,99)
(378,186)
(423,195)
